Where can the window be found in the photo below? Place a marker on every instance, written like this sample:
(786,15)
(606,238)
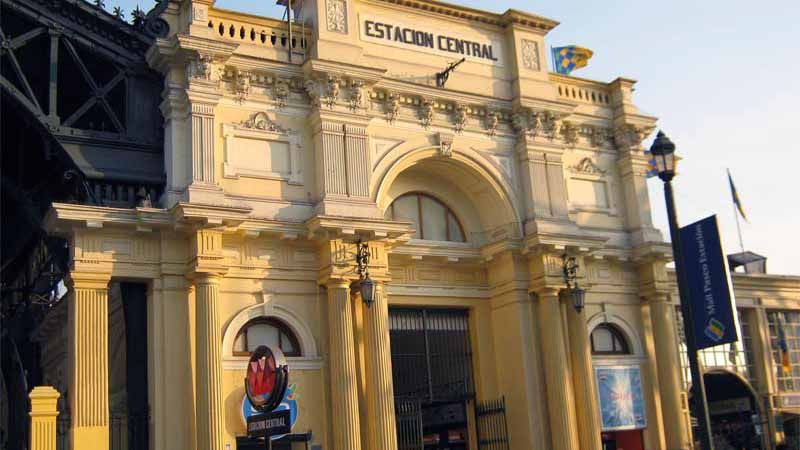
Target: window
(265,331)
(608,340)
(786,323)
(432,219)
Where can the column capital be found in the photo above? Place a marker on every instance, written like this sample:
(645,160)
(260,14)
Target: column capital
(43,401)
(205,276)
(88,280)
(547,292)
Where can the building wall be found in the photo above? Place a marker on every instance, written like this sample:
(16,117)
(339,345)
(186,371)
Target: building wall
(275,168)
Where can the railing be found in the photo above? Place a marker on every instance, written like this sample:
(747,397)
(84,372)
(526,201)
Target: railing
(259,31)
(120,194)
(582,91)
(492,428)
(408,416)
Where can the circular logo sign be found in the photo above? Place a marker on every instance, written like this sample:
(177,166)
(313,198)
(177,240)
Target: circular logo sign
(267,377)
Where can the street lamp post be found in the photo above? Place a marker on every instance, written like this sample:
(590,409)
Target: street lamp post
(663,151)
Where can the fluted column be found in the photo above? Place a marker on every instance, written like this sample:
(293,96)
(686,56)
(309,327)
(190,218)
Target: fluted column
(88,360)
(588,412)
(210,409)
(344,385)
(668,365)
(560,399)
(380,390)
(43,418)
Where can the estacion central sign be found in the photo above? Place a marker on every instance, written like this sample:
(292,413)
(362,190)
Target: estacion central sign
(393,33)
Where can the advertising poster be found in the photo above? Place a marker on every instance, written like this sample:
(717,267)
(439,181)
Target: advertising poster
(621,400)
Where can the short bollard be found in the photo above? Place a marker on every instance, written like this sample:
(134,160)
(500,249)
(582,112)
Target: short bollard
(43,418)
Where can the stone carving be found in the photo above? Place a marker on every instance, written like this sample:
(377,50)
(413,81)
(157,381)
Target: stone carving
(358,94)
(629,135)
(336,15)
(530,55)
(535,123)
(313,92)
(392,107)
(549,123)
(492,119)
(201,68)
(242,86)
(569,132)
(445,145)
(427,112)
(333,91)
(519,120)
(260,121)
(460,117)
(598,136)
(586,165)
(280,90)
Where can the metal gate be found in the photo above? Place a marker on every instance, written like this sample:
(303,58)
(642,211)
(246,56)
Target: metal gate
(492,429)
(408,414)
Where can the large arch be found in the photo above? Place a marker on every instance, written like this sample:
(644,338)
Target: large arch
(466,174)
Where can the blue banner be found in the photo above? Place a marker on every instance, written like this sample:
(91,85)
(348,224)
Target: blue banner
(621,400)
(709,289)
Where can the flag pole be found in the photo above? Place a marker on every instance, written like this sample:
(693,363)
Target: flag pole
(736,215)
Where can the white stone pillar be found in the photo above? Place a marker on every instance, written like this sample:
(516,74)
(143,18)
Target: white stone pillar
(210,407)
(88,360)
(560,398)
(380,389)
(588,411)
(342,361)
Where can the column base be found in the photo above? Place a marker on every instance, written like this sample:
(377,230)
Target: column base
(95,438)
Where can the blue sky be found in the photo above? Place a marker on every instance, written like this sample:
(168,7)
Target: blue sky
(723,77)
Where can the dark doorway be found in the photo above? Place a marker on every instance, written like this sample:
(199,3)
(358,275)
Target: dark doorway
(735,420)
(127,357)
(432,373)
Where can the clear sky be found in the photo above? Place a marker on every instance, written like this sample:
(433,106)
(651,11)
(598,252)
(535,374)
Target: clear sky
(723,77)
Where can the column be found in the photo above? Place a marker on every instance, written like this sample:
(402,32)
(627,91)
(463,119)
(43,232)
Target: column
(344,385)
(669,366)
(43,418)
(210,409)
(88,360)
(560,399)
(764,367)
(380,390)
(588,412)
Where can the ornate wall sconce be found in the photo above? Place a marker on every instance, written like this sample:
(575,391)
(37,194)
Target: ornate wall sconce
(362,267)
(577,295)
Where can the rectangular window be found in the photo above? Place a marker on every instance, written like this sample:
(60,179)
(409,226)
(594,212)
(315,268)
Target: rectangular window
(789,323)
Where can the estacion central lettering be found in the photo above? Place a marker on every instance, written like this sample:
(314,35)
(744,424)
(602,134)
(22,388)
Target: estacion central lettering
(419,38)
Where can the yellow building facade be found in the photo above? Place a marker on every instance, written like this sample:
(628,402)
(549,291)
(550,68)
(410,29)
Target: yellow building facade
(283,149)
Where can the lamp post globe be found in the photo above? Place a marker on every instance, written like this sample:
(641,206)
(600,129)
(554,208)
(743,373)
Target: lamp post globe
(663,151)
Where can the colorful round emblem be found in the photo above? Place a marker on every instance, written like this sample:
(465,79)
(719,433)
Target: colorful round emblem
(267,377)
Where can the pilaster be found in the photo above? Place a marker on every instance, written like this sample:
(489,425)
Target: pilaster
(588,410)
(88,360)
(517,351)
(379,386)
(560,396)
(43,418)
(206,278)
(342,362)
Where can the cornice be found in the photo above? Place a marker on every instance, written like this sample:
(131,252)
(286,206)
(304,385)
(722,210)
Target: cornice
(532,22)
(333,68)
(353,227)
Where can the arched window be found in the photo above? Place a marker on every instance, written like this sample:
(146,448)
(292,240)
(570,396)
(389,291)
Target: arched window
(432,219)
(607,339)
(265,331)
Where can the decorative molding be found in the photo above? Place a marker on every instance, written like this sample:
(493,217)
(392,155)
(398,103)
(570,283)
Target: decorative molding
(336,15)
(333,89)
(242,86)
(460,116)
(569,132)
(280,90)
(630,135)
(392,107)
(530,55)
(445,144)
(359,93)
(492,119)
(261,128)
(587,166)
(427,112)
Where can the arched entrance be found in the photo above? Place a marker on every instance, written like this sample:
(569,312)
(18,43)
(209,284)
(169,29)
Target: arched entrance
(736,419)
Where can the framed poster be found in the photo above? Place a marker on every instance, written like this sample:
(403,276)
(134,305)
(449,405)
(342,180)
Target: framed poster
(619,389)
